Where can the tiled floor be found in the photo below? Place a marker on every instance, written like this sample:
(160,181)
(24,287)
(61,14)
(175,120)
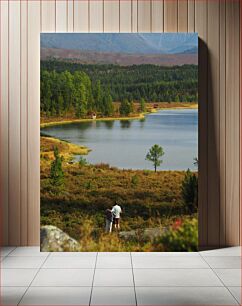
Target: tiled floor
(29,277)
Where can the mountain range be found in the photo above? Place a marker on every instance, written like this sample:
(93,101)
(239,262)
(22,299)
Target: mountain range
(129,43)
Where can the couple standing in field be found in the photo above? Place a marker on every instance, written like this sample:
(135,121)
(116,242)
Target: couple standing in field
(113,217)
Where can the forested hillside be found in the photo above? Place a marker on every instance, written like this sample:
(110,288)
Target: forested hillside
(82,88)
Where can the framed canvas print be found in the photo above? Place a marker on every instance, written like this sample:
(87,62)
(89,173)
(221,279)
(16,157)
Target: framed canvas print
(119,142)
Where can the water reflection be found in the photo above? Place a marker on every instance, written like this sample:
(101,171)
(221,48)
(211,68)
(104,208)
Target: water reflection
(109,124)
(125,124)
(124,143)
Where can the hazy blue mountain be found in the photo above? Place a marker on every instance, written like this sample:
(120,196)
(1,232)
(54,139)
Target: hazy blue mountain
(141,43)
(180,50)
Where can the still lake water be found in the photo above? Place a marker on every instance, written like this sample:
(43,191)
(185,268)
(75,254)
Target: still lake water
(124,144)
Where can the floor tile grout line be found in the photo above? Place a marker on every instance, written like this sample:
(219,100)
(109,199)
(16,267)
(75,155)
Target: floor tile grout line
(239,302)
(105,286)
(33,279)
(135,295)
(91,268)
(221,280)
(14,248)
(90,299)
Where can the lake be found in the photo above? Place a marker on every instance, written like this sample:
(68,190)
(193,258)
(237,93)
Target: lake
(124,144)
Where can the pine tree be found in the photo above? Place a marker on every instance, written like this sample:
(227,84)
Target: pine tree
(60,105)
(125,108)
(56,172)
(190,191)
(154,155)
(142,105)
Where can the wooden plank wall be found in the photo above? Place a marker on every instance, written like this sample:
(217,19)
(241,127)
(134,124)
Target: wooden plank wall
(217,23)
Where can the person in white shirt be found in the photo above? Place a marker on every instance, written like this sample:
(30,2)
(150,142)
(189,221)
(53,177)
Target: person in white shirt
(116,210)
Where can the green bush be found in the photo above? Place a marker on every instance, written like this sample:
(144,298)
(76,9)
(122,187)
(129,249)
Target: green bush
(82,161)
(135,180)
(190,191)
(181,236)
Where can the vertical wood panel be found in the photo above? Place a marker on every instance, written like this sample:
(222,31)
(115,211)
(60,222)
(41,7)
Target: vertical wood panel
(219,107)
(4,113)
(111,16)
(81,15)
(14,121)
(183,15)
(96,16)
(157,14)
(134,20)
(33,122)
(144,16)
(171,15)
(232,121)
(61,15)
(213,124)
(70,15)
(191,15)
(125,16)
(23,124)
(201,28)
(48,15)
(222,138)
(240,127)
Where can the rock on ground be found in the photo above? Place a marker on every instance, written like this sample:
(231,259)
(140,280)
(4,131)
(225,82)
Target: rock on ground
(53,239)
(146,234)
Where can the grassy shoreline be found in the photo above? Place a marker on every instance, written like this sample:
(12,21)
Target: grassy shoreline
(66,149)
(67,121)
(164,106)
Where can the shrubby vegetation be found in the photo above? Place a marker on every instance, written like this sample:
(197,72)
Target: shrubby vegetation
(182,236)
(75,195)
(83,89)
(149,200)
(190,191)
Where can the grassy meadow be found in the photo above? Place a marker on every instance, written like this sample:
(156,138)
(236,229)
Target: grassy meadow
(159,208)
(154,217)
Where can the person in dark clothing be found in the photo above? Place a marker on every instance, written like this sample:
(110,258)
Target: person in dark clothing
(109,220)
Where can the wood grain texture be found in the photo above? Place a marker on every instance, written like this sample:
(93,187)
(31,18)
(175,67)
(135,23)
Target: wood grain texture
(33,122)
(144,15)
(191,15)
(125,16)
(232,122)
(217,24)
(183,15)
(48,15)
(134,10)
(240,129)
(213,136)
(70,15)
(222,127)
(171,15)
(61,16)
(81,16)
(96,16)
(24,124)
(111,16)
(201,28)
(4,113)
(14,121)
(157,14)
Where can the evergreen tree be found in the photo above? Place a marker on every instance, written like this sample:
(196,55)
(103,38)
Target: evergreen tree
(125,108)
(190,191)
(56,172)
(60,105)
(108,105)
(177,98)
(142,105)
(154,155)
